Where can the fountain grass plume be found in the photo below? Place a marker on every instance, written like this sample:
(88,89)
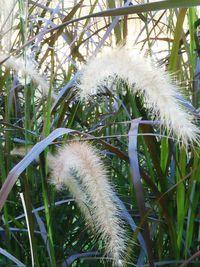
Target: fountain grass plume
(159,92)
(79,167)
(27,69)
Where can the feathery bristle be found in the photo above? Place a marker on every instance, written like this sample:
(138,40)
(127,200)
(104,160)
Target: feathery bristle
(27,69)
(160,94)
(79,168)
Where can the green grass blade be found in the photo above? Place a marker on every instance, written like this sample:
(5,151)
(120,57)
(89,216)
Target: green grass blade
(174,57)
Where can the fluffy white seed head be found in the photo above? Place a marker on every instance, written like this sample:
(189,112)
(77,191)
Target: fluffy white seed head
(160,93)
(27,70)
(79,167)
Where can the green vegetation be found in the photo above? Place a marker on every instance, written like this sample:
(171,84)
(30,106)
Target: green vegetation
(44,45)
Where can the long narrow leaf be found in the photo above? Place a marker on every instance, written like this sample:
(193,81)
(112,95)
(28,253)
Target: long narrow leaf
(11,257)
(135,172)
(24,163)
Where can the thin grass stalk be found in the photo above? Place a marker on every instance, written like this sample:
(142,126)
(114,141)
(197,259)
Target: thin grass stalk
(6,151)
(47,208)
(164,161)
(27,218)
(180,196)
(192,17)
(27,195)
(174,55)
(6,210)
(193,200)
(23,10)
(117,28)
(86,22)
(56,35)
(194,197)
(47,125)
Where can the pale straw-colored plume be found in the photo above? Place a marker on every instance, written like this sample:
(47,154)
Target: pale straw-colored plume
(26,69)
(79,167)
(159,92)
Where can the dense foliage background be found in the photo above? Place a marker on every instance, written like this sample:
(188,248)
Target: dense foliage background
(42,227)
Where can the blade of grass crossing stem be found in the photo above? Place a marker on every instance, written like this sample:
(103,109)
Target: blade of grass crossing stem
(190,259)
(140,8)
(70,260)
(56,35)
(86,22)
(69,16)
(180,193)
(135,173)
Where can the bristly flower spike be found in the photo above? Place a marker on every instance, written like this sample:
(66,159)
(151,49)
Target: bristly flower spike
(79,167)
(160,93)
